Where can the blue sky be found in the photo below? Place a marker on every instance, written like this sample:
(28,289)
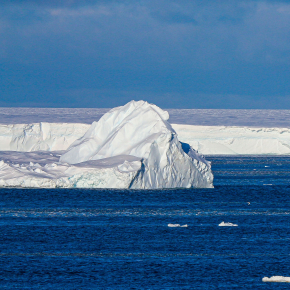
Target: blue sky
(176,54)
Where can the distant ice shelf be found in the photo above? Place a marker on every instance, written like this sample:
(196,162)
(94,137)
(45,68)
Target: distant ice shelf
(207,140)
(229,140)
(198,117)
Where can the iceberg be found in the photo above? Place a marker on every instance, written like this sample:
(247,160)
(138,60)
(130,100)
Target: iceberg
(223,224)
(131,146)
(276,279)
(177,226)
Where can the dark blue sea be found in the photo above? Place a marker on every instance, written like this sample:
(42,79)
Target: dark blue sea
(120,239)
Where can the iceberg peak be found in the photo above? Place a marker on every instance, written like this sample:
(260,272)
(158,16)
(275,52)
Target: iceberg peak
(126,130)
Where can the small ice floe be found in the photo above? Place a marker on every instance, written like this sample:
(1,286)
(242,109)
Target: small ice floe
(223,224)
(276,279)
(267,166)
(177,225)
(249,203)
(267,184)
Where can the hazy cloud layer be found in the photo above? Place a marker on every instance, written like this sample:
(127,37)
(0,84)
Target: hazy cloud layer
(202,54)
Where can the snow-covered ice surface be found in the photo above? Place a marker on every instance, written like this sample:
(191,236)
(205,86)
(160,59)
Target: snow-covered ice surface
(201,117)
(40,136)
(136,144)
(216,140)
(223,224)
(140,129)
(50,115)
(276,279)
(132,146)
(42,169)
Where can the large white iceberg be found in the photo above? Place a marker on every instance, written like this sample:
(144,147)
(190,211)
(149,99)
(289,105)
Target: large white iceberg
(132,146)
(141,130)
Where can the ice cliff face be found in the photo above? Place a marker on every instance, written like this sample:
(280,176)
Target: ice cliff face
(141,130)
(221,140)
(39,136)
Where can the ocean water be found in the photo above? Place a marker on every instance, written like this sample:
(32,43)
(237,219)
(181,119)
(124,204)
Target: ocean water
(120,239)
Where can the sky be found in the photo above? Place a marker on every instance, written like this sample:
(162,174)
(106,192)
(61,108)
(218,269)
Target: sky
(214,54)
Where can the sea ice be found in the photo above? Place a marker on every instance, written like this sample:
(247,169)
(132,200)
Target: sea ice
(276,279)
(198,117)
(223,224)
(177,226)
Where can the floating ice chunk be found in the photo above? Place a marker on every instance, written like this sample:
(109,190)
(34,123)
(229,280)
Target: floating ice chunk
(223,224)
(177,226)
(276,279)
(174,225)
